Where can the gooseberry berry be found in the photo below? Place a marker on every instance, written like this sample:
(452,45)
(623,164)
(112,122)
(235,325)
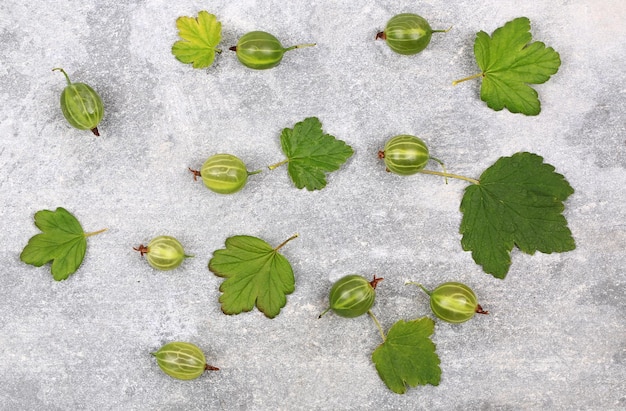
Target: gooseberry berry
(352,296)
(81,105)
(261,50)
(182,360)
(405,155)
(453,302)
(223,173)
(407,33)
(163,252)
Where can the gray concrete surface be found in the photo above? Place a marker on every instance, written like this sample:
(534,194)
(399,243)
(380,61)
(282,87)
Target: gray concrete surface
(556,335)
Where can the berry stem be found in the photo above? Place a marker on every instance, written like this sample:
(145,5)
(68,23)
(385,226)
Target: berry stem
(299,46)
(375,281)
(286,241)
(455,82)
(273,166)
(419,285)
(251,173)
(443,31)
(65,74)
(142,249)
(324,312)
(380,328)
(442,166)
(479,310)
(459,177)
(208,367)
(196,173)
(95,232)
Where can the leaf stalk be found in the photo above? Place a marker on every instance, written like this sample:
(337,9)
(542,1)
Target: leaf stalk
(273,166)
(286,241)
(380,328)
(95,232)
(455,82)
(419,285)
(457,176)
(442,166)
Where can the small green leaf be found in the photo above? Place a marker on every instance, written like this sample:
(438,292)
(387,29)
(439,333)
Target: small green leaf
(311,153)
(62,241)
(200,37)
(519,201)
(509,63)
(255,274)
(408,357)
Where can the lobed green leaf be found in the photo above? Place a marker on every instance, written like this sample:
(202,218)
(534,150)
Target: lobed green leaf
(256,274)
(408,356)
(311,153)
(519,202)
(62,241)
(509,62)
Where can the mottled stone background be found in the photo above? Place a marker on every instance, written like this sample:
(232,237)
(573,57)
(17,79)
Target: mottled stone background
(556,335)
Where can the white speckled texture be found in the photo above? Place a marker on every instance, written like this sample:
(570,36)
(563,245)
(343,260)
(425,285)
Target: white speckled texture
(556,335)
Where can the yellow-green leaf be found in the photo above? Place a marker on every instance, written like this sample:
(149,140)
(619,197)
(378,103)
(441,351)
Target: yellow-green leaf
(200,37)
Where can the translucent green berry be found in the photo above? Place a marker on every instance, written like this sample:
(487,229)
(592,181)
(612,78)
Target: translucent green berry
(407,33)
(260,50)
(352,296)
(223,173)
(163,253)
(182,360)
(405,154)
(81,105)
(453,302)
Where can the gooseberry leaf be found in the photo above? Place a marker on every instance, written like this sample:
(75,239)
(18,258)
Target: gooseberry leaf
(519,201)
(510,62)
(200,37)
(62,241)
(255,273)
(311,153)
(407,357)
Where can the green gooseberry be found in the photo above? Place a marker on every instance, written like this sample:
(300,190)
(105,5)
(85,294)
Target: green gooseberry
(223,173)
(260,50)
(405,154)
(407,33)
(182,360)
(163,252)
(352,296)
(81,105)
(453,302)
